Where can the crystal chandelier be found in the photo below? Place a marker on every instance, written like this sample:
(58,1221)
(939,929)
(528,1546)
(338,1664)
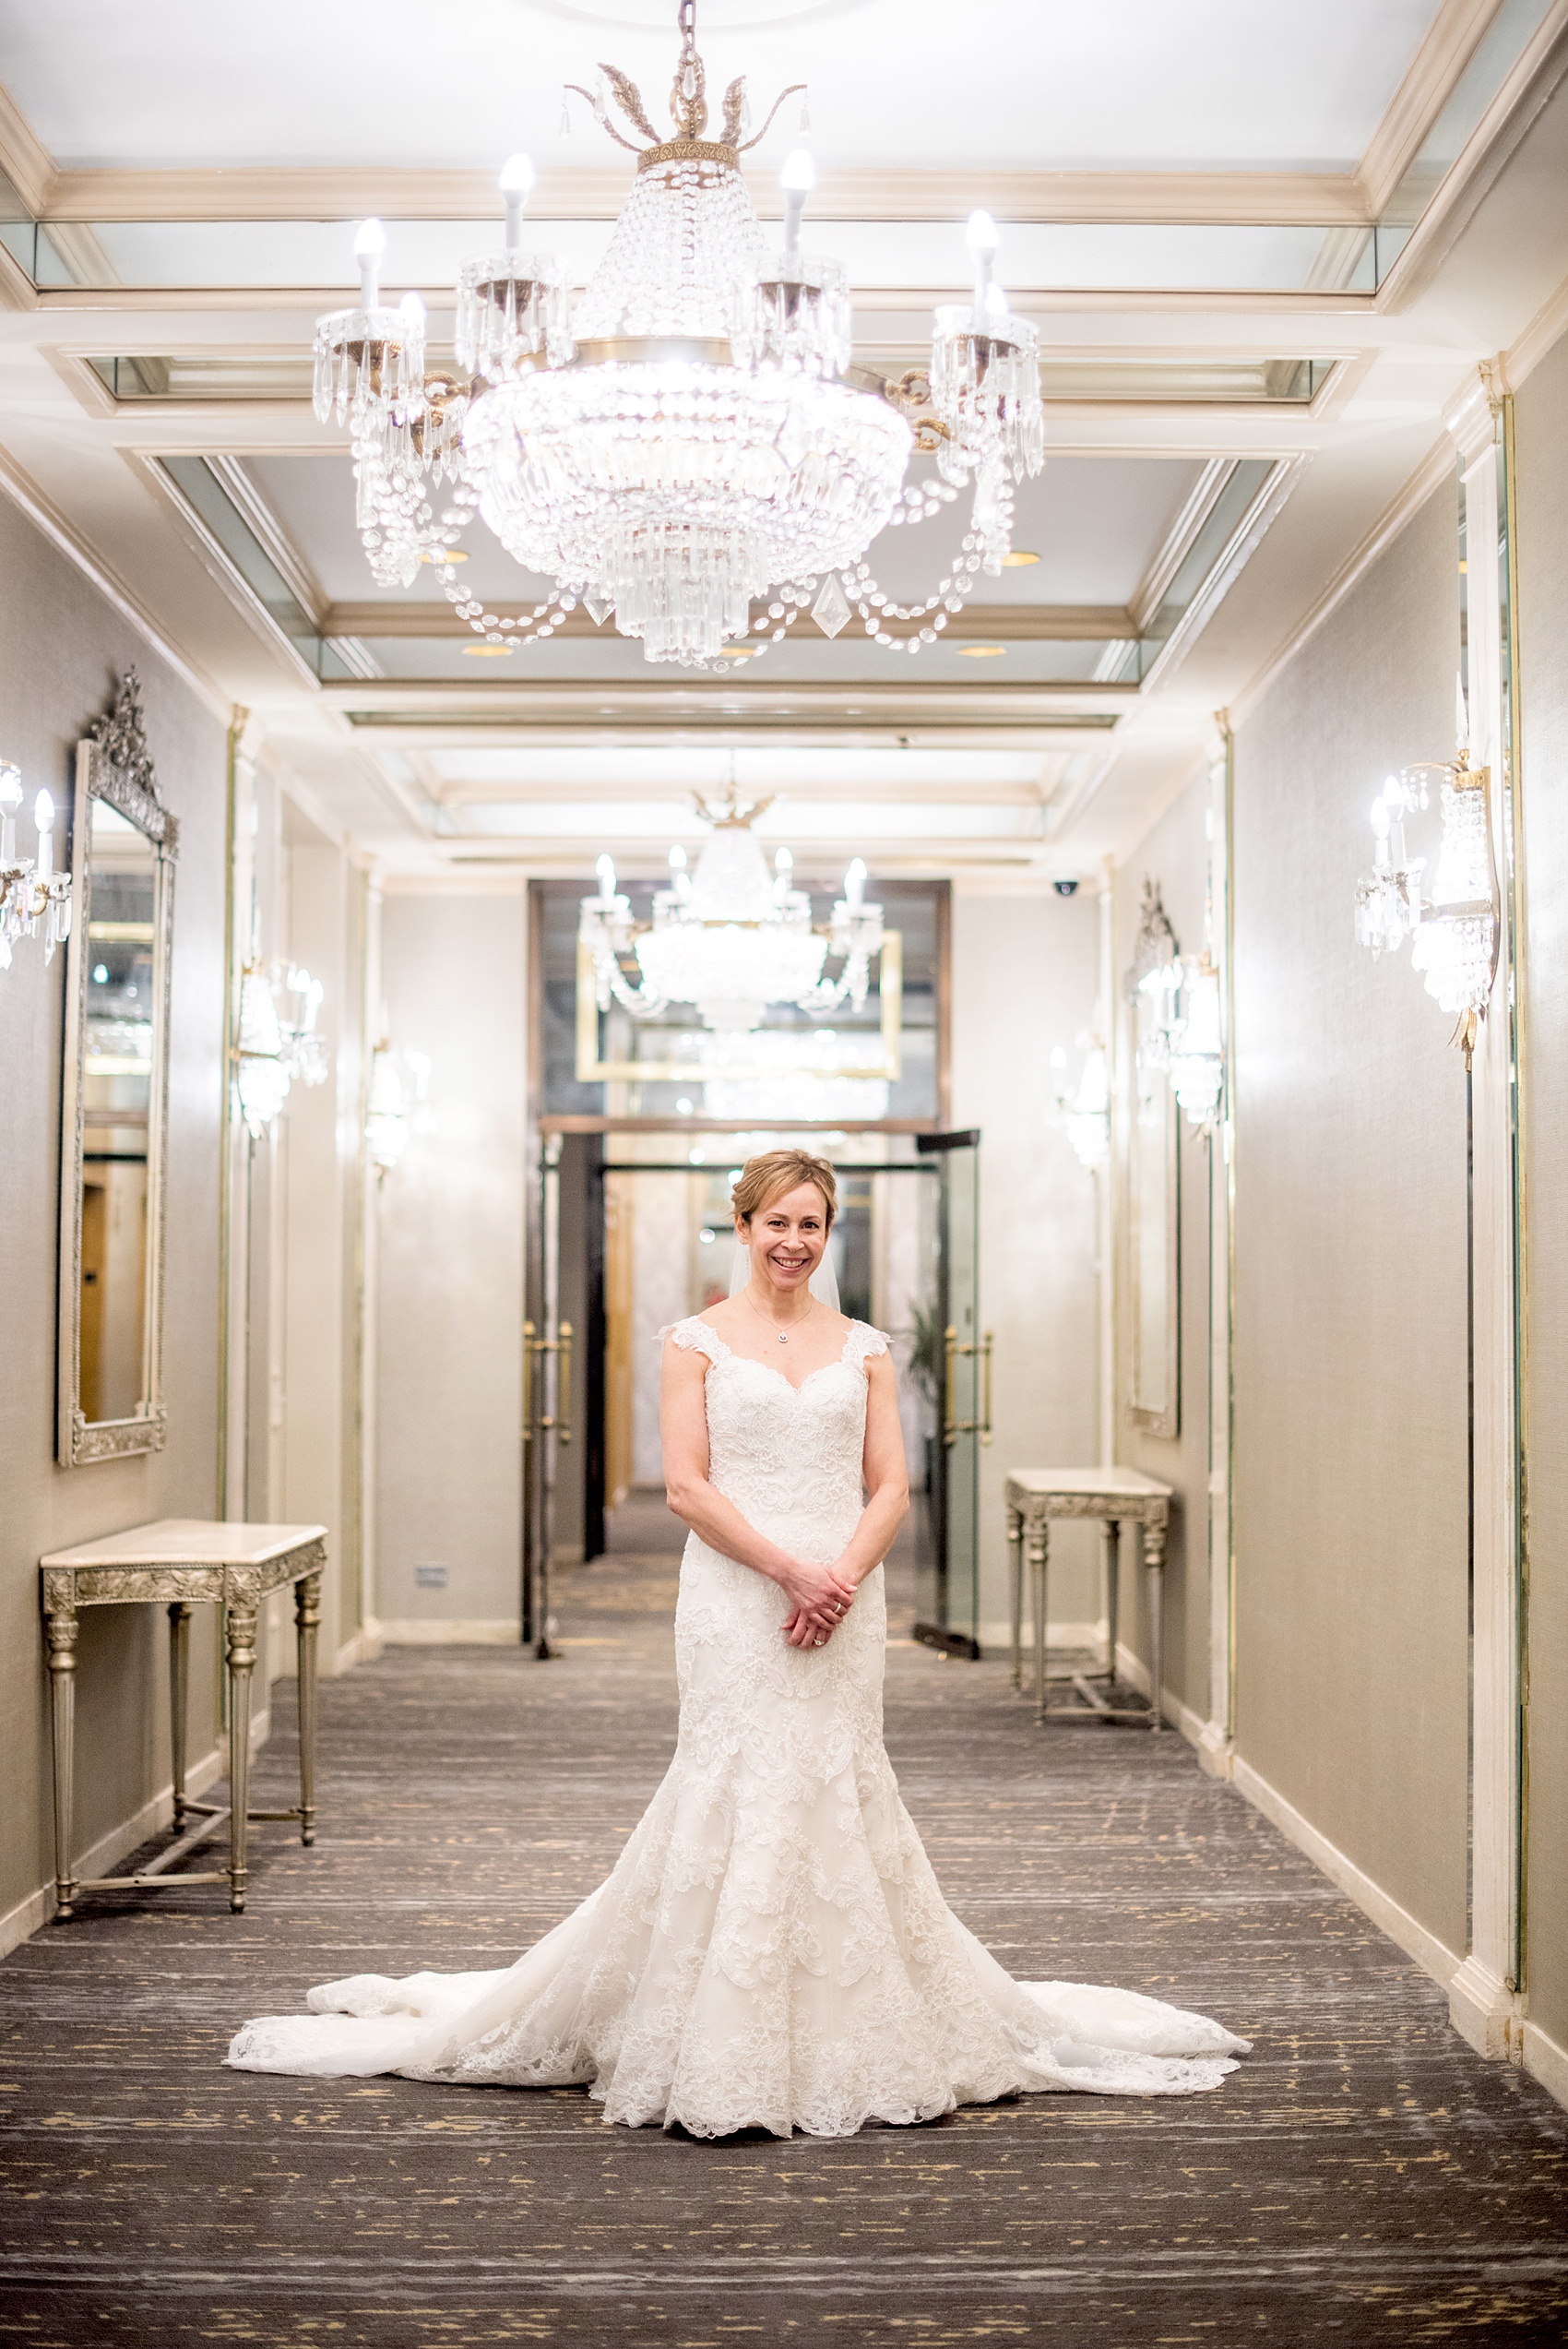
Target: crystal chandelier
(1195,1055)
(31,889)
(271,1051)
(1453,933)
(689,439)
(729,937)
(400,1083)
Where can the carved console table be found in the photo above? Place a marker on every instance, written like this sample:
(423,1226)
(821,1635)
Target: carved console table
(175,1563)
(1114,1496)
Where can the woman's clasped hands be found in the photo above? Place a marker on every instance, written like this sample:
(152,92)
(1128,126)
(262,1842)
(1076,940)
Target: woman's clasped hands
(821,1596)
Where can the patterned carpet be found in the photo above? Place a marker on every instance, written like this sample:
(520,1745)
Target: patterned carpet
(1362,2179)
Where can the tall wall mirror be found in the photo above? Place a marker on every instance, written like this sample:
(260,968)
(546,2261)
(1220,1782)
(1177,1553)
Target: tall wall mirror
(114,1127)
(1153,1167)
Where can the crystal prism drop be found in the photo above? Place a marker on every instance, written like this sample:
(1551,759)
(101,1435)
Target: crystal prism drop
(831,610)
(599,608)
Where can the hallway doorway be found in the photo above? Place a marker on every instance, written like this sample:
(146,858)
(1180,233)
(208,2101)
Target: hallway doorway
(634,1233)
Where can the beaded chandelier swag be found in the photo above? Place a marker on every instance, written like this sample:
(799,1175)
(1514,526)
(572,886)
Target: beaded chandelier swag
(687,436)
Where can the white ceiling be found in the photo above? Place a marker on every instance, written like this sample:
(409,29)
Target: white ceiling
(1211,82)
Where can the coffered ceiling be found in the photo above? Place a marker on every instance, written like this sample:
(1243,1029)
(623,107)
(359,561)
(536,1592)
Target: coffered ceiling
(1264,247)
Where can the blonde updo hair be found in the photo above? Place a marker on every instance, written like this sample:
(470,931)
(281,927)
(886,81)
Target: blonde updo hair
(767,1176)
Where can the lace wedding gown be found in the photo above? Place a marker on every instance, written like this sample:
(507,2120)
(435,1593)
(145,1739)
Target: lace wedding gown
(771,1948)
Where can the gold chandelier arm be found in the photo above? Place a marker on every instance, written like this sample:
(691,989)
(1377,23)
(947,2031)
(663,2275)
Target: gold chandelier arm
(795,89)
(629,98)
(610,127)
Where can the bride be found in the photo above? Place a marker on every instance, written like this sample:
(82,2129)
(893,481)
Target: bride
(771,1950)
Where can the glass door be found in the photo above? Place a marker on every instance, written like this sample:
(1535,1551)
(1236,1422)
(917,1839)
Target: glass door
(948,1613)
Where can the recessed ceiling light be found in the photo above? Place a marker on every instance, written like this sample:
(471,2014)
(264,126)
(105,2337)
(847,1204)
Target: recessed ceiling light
(1018,559)
(487,651)
(444,554)
(982,651)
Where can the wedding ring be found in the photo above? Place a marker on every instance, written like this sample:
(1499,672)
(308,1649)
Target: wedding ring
(821,1641)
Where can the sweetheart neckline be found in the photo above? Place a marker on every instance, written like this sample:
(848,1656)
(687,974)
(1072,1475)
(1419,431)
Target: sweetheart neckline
(771,1369)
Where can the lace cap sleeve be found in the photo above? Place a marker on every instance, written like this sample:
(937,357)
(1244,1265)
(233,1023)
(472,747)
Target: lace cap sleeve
(862,1342)
(696,1336)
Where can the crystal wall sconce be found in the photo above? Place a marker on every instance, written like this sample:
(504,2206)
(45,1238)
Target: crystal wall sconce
(31,889)
(1086,1114)
(273,1051)
(400,1083)
(1454,933)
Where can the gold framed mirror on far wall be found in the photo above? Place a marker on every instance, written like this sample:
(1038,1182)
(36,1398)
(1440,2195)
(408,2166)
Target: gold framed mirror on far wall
(114,1125)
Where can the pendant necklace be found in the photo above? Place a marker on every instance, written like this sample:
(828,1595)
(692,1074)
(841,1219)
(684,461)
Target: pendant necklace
(783,1335)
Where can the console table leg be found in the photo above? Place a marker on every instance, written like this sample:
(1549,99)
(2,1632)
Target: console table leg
(307,1621)
(241,1661)
(60,1628)
(1154,1560)
(1111,1529)
(1040,1548)
(178,1694)
(1015,1544)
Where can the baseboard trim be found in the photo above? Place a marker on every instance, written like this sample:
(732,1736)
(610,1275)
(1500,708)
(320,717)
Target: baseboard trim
(364,1648)
(1485,2011)
(1545,2062)
(19,1925)
(1431,1955)
(996,1639)
(444,1631)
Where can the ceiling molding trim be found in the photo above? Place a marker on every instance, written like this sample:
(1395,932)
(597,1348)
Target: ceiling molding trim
(216,560)
(1018,622)
(24,158)
(1168,557)
(592,192)
(244,493)
(1435,468)
(1451,41)
(1238,552)
(1544,331)
(25,493)
(1481,161)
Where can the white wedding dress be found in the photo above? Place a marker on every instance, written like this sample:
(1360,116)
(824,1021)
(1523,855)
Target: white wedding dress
(771,1950)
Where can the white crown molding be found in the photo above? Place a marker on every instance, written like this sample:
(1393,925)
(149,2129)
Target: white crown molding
(597,192)
(1527,350)
(216,560)
(1168,557)
(1470,419)
(1017,623)
(1526,89)
(244,493)
(24,158)
(1449,44)
(1223,574)
(24,492)
(1434,468)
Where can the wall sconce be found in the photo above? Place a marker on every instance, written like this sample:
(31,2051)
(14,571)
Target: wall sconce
(31,889)
(1196,1051)
(272,1050)
(1454,932)
(400,1082)
(1087,1114)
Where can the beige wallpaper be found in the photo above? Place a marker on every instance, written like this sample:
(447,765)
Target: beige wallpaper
(450,1249)
(1349,1366)
(61,649)
(1541,474)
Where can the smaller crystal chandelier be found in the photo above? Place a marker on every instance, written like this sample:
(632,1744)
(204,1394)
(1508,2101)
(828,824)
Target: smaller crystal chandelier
(1454,933)
(272,1050)
(729,937)
(1086,1114)
(400,1082)
(31,889)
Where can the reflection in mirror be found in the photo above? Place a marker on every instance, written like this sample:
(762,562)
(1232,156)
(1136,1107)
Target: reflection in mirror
(123,845)
(116,1102)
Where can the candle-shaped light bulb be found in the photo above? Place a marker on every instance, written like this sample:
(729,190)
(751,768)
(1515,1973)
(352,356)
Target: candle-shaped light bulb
(369,247)
(605,869)
(43,817)
(1058,1056)
(10,799)
(797,179)
(854,883)
(981,238)
(783,863)
(677,858)
(517,183)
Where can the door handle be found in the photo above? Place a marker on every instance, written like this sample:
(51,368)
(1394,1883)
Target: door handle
(564,1383)
(954,1428)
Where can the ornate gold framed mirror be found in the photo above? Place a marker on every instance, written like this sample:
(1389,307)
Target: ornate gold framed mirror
(1154,1262)
(115,1107)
